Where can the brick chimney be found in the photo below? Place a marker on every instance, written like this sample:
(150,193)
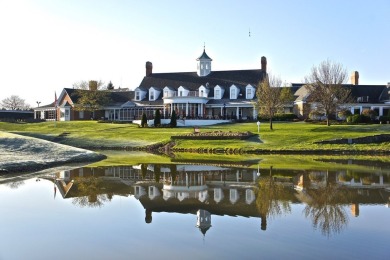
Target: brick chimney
(92,85)
(149,68)
(264,64)
(355,78)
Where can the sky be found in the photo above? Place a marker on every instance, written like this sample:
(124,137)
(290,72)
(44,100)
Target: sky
(48,45)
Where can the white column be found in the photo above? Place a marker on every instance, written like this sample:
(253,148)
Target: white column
(237,112)
(380,111)
(187,109)
(254,113)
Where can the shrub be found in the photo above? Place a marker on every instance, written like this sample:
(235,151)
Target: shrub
(173,119)
(157,118)
(279,117)
(316,115)
(384,119)
(144,120)
(371,114)
(357,119)
(344,114)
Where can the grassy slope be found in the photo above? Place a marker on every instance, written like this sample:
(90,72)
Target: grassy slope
(285,136)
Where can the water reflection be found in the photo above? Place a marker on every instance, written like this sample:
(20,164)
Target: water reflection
(207,190)
(273,197)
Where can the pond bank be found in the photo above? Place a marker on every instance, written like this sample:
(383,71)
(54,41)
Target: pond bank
(26,154)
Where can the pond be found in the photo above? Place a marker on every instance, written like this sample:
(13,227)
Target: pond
(202,210)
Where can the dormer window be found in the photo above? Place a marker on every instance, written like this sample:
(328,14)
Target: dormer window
(233,93)
(166,93)
(248,93)
(137,95)
(217,94)
(151,95)
(201,93)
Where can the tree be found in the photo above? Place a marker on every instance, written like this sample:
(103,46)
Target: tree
(83,84)
(14,103)
(157,118)
(325,87)
(110,86)
(271,97)
(271,199)
(144,120)
(173,119)
(90,99)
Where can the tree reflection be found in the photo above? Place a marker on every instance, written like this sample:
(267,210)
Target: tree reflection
(270,199)
(15,184)
(88,192)
(325,209)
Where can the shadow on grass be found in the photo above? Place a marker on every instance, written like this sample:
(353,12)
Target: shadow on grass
(335,128)
(255,139)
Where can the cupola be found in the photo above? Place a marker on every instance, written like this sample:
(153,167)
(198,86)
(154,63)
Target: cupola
(203,64)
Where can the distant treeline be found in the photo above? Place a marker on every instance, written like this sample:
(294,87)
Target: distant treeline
(16,115)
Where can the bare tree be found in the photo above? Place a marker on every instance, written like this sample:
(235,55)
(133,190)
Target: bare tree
(325,87)
(271,97)
(14,103)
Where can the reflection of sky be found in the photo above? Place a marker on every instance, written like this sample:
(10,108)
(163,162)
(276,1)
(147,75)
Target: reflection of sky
(34,225)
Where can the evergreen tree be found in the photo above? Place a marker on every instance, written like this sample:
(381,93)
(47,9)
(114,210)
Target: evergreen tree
(173,119)
(144,120)
(157,118)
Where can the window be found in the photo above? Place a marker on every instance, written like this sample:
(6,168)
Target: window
(217,93)
(181,94)
(207,66)
(233,93)
(201,66)
(151,95)
(248,93)
(166,93)
(81,114)
(201,93)
(137,95)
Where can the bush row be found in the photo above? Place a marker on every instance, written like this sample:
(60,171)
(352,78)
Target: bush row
(279,117)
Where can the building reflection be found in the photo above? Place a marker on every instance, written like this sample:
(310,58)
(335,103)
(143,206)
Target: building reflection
(206,190)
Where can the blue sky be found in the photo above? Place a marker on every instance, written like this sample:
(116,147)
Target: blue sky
(47,45)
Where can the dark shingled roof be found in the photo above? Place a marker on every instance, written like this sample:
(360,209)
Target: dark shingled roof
(204,56)
(192,81)
(116,97)
(375,93)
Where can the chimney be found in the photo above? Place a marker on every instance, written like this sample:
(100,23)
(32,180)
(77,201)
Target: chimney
(92,85)
(264,64)
(149,68)
(355,78)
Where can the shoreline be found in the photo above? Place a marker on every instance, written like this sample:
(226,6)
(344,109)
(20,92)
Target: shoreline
(27,154)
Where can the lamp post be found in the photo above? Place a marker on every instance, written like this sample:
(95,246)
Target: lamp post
(38,102)
(258,126)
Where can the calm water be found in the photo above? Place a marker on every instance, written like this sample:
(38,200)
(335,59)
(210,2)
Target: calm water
(203,211)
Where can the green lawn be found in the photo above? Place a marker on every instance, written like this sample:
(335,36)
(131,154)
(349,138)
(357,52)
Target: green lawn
(285,136)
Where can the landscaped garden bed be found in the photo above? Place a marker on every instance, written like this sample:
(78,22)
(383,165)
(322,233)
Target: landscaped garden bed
(214,135)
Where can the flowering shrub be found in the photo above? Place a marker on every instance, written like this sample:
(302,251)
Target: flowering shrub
(215,135)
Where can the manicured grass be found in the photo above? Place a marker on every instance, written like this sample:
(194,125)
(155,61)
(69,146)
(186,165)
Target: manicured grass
(285,136)
(118,158)
(369,164)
